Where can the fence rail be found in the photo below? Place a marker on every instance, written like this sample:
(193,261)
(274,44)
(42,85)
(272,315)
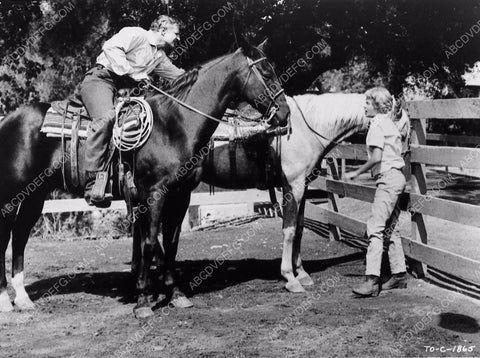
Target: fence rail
(224,197)
(447,138)
(459,108)
(418,203)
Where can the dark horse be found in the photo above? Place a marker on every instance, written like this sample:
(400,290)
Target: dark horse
(178,134)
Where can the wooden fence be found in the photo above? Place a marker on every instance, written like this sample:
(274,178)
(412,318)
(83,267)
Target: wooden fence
(460,270)
(250,197)
(224,205)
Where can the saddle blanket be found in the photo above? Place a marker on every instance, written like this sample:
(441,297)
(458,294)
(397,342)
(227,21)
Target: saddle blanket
(54,124)
(238,129)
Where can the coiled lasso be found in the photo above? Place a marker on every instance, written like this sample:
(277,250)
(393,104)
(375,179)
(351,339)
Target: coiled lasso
(133,123)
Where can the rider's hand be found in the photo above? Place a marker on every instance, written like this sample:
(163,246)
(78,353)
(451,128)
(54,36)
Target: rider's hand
(144,83)
(350,176)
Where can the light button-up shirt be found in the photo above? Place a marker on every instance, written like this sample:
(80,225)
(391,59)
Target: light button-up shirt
(132,51)
(384,134)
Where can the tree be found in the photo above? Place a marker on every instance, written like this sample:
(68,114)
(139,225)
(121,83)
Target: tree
(362,42)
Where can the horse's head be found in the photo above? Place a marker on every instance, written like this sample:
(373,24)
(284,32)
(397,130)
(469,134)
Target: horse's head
(260,86)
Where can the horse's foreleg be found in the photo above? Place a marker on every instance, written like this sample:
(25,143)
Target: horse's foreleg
(176,208)
(302,276)
(5,229)
(291,198)
(148,225)
(28,214)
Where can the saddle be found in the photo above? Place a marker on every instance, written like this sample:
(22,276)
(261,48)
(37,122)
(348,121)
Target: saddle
(64,116)
(250,134)
(70,121)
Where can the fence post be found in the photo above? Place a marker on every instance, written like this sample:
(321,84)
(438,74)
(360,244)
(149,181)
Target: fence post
(332,198)
(343,166)
(419,185)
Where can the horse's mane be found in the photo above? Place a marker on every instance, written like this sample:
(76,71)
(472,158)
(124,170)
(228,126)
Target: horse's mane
(332,113)
(180,86)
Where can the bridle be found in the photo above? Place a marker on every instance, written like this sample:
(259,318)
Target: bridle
(273,106)
(272,109)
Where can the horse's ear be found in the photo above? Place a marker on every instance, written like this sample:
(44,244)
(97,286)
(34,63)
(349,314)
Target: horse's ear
(240,39)
(248,49)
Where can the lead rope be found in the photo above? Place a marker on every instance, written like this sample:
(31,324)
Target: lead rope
(271,190)
(311,129)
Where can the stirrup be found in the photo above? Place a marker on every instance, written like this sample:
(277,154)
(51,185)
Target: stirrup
(97,193)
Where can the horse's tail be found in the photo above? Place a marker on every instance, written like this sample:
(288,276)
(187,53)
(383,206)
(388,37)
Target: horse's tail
(23,149)
(404,127)
(397,110)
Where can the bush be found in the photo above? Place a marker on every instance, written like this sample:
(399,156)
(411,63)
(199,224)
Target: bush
(81,225)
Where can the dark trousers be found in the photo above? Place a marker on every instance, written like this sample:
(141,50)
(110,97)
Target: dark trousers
(98,91)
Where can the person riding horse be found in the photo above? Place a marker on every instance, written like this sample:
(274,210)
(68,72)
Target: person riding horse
(129,57)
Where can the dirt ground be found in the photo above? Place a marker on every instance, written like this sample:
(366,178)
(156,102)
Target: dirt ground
(83,293)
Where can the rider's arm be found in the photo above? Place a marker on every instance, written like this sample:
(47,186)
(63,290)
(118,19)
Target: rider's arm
(166,69)
(116,48)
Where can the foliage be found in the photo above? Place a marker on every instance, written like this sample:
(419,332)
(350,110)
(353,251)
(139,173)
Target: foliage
(80,225)
(389,42)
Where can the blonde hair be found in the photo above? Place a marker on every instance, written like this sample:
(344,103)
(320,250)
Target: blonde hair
(164,21)
(385,103)
(382,100)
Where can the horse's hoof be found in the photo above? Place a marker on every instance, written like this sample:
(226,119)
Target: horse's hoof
(5,304)
(294,287)
(24,304)
(182,302)
(305,280)
(142,312)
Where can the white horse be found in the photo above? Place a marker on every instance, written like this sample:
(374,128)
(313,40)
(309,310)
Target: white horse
(318,122)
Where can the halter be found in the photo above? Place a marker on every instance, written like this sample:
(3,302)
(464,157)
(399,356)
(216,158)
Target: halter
(272,107)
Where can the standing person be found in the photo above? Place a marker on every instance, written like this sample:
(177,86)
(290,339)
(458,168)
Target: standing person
(384,147)
(129,56)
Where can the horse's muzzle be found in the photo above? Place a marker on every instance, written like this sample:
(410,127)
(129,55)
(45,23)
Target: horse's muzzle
(281,117)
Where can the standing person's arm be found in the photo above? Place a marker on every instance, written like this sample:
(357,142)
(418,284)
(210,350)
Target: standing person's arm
(116,48)
(375,158)
(166,69)
(375,143)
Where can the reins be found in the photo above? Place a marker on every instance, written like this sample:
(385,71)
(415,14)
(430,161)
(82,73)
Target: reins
(272,108)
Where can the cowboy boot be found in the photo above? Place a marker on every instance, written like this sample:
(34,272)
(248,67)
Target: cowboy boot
(371,287)
(398,280)
(95,196)
(89,182)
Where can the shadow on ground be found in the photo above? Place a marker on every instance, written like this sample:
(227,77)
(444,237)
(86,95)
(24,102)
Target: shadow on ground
(121,284)
(458,323)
